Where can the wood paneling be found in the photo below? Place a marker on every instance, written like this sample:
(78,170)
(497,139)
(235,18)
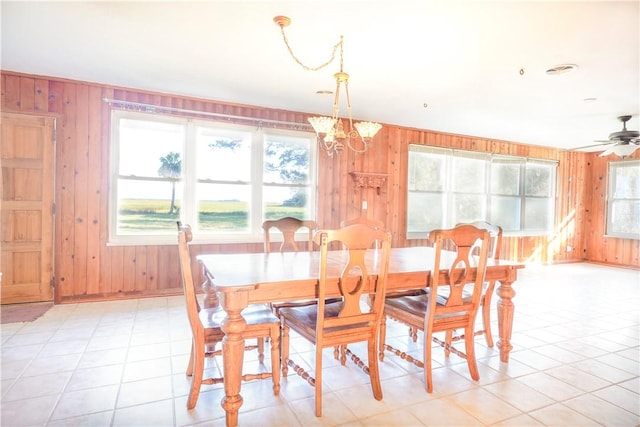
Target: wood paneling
(86,268)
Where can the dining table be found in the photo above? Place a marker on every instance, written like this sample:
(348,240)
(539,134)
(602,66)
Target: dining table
(234,281)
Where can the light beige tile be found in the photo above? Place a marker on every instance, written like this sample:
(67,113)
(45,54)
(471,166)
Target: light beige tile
(621,362)
(404,390)
(334,410)
(107,342)
(99,419)
(633,385)
(28,412)
(151,337)
(442,412)
(399,417)
(85,402)
(484,406)
(5,385)
(207,409)
(519,395)
(519,421)
(550,386)
(148,351)
(70,334)
(559,353)
(144,391)
(42,385)
(155,414)
(534,359)
(20,339)
(135,371)
(365,405)
(44,364)
(512,369)
(70,346)
(20,352)
(561,415)
(13,368)
(280,415)
(95,377)
(92,359)
(602,411)
(577,378)
(604,370)
(621,397)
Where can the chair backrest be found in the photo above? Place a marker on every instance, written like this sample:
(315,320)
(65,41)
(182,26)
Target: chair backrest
(371,222)
(288,226)
(193,307)
(460,264)
(357,269)
(495,234)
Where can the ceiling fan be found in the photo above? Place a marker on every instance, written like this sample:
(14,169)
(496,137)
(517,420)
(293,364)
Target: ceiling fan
(622,143)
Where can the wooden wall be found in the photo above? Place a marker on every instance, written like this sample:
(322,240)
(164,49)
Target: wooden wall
(86,268)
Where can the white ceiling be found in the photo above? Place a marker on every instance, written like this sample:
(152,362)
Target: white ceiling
(460,58)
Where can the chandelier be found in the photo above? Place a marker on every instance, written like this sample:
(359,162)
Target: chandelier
(330,131)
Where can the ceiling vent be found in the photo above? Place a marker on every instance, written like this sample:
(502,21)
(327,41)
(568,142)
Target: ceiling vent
(560,69)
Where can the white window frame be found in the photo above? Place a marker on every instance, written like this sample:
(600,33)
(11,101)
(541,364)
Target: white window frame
(449,194)
(612,198)
(188,211)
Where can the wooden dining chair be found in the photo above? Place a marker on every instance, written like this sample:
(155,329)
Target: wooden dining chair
(495,243)
(206,328)
(288,227)
(341,323)
(436,311)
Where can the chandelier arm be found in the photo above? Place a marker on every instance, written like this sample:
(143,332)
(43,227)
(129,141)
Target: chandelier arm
(307,67)
(355,135)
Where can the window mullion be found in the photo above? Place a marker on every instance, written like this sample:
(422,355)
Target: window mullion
(523,197)
(257,168)
(189,210)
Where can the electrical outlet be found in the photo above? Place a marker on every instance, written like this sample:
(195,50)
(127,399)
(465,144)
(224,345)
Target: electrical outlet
(364,205)
(569,248)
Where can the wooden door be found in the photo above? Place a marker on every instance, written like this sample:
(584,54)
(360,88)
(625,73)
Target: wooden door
(27,159)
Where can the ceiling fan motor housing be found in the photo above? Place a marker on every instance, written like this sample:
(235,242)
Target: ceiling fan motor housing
(624,136)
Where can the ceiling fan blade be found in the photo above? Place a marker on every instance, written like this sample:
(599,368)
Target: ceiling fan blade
(602,145)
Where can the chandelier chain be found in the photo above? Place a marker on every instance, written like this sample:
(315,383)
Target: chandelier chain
(319,67)
(331,133)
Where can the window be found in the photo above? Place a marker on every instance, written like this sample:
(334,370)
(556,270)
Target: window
(447,187)
(623,200)
(222,179)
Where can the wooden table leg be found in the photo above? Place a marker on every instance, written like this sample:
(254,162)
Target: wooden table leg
(505,318)
(210,295)
(233,352)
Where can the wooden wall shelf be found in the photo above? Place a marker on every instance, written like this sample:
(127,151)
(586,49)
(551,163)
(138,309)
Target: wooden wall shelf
(370,180)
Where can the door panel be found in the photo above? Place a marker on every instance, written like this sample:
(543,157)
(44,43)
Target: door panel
(27,159)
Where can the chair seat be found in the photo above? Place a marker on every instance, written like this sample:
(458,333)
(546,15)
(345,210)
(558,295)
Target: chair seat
(305,318)
(277,306)
(407,293)
(418,304)
(256,314)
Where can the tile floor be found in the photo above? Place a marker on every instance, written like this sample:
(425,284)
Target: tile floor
(575,362)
